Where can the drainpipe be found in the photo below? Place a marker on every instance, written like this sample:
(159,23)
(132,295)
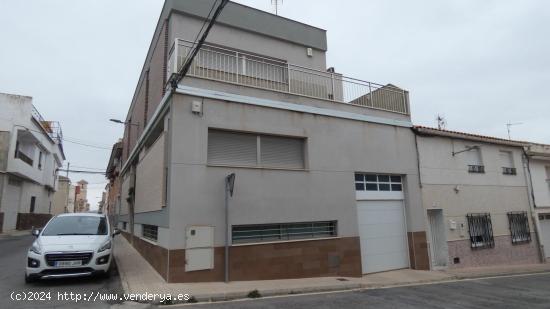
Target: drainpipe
(532,204)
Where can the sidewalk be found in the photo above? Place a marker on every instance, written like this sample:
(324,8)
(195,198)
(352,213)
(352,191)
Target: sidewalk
(139,277)
(15,233)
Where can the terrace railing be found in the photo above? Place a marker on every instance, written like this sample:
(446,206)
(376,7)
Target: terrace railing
(231,66)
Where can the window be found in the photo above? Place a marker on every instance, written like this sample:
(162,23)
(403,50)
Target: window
(33,204)
(507,163)
(40,155)
(124,225)
(519,227)
(149,232)
(373,182)
(475,162)
(283,231)
(480,229)
(255,150)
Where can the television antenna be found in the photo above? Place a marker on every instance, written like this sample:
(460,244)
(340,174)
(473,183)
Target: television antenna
(441,122)
(275,4)
(509,125)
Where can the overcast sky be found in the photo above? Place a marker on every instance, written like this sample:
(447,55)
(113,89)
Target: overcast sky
(480,64)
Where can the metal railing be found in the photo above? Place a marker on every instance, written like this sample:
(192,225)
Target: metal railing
(52,127)
(231,66)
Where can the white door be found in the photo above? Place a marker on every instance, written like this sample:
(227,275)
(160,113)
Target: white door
(383,236)
(438,239)
(11,205)
(544,220)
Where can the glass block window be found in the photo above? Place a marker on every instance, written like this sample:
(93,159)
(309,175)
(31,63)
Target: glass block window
(378,182)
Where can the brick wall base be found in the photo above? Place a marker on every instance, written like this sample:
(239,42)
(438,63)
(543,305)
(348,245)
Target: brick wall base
(504,253)
(27,221)
(286,260)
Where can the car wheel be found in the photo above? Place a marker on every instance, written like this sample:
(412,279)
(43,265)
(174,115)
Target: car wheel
(29,279)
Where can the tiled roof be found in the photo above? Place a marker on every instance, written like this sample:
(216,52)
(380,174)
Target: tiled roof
(468,136)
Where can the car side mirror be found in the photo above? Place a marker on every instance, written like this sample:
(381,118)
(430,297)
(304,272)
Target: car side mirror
(35,232)
(116,232)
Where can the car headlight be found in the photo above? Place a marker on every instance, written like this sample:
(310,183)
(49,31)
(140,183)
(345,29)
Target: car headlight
(105,246)
(36,248)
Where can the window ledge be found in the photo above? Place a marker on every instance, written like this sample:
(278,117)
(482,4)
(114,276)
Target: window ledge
(259,167)
(149,240)
(283,241)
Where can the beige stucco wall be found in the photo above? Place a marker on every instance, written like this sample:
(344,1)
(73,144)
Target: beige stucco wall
(541,187)
(447,184)
(336,149)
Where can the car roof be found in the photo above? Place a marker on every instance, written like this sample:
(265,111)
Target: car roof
(89,214)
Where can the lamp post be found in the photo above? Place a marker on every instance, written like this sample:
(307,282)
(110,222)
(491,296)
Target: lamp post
(229,185)
(124,122)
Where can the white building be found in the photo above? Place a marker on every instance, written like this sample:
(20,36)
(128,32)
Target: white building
(31,152)
(539,167)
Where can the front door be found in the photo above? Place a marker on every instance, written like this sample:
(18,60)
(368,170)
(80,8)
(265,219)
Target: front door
(11,205)
(438,243)
(544,220)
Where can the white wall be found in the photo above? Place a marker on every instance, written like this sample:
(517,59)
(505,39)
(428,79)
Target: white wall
(447,184)
(539,177)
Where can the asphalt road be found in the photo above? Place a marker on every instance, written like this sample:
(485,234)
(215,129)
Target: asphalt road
(532,291)
(13,253)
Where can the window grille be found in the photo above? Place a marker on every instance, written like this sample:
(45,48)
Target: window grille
(480,229)
(509,171)
(519,227)
(283,231)
(476,169)
(149,232)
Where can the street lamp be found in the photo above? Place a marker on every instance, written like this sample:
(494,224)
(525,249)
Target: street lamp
(229,185)
(123,122)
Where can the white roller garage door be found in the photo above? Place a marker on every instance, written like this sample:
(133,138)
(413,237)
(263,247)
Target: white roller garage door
(383,237)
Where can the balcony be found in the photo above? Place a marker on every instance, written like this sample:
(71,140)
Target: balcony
(235,67)
(53,128)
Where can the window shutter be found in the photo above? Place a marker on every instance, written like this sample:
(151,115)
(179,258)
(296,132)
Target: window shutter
(232,148)
(282,152)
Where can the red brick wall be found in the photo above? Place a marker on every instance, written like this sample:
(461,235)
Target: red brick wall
(157,79)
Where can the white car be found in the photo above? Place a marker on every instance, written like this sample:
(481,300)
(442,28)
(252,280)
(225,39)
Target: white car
(71,245)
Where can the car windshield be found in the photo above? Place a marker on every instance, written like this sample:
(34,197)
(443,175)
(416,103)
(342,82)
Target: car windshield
(76,225)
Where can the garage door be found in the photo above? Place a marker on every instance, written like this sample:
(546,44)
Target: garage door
(544,220)
(383,235)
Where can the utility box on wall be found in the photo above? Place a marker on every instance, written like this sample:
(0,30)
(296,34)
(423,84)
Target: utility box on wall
(199,249)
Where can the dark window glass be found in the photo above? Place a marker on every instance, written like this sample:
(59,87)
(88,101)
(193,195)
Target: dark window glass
(383,178)
(371,178)
(384,186)
(359,186)
(395,178)
(76,225)
(396,187)
(371,187)
(359,177)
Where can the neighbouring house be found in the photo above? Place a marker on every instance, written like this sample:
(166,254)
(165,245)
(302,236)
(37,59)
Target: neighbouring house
(112,205)
(31,152)
(81,197)
(326,176)
(476,200)
(61,197)
(539,167)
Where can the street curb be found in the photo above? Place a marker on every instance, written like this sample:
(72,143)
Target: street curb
(239,296)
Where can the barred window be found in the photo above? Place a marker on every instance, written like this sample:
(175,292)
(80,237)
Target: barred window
(283,231)
(519,227)
(149,232)
(373,182)
(480,229)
